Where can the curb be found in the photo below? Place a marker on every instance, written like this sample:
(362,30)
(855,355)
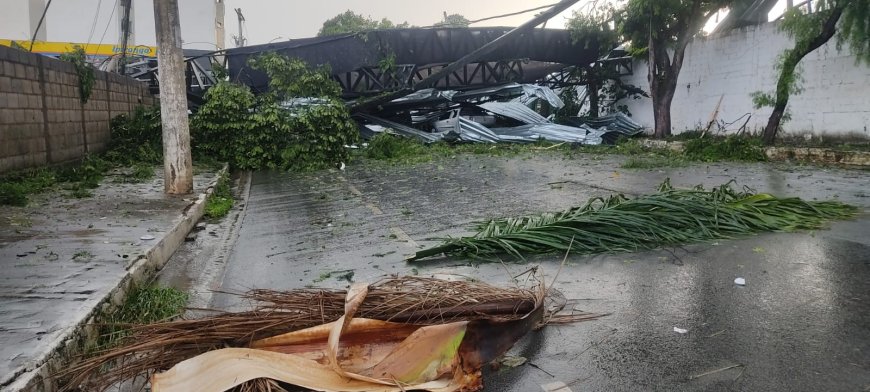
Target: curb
(139,271)
(805,154)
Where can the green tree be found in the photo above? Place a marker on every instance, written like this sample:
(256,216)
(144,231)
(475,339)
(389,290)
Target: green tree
(849,20)
(453,20)
(596,26)
(290,78)
(351,22)
(661,30)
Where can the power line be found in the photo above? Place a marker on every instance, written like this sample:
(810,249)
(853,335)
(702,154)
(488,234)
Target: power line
(39,25)
(512,13)
(109,23)
(94,25)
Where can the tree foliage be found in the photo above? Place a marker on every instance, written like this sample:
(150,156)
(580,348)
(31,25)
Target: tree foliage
(848,20)
(661,30)
(293,78)
(84,70)
(598,25)
(351,22)
(267,131)
(453,20)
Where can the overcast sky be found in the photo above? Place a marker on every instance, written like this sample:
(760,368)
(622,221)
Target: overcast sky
(270,19)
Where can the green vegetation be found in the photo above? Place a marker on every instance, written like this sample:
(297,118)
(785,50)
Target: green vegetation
(845,19)
(661,31)
(393,149)
(84,70)
(135,143)
(387,147)
(453,21)
(221,200)
(143,305)
(669,217)
(136,138)
(729,148)
(351,22)
(263,132)
(140,172)
(653,162)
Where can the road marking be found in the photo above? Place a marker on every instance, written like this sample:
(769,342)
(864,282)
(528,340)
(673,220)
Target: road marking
(557,386)
(402,236)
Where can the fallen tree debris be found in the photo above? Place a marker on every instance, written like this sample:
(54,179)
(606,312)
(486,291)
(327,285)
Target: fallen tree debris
(669,217)
(398,334)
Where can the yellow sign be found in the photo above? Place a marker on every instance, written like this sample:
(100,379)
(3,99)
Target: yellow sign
(57,48)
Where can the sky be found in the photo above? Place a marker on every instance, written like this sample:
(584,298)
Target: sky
(268,20)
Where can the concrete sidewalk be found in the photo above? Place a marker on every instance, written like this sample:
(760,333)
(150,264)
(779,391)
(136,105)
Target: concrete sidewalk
(63,258)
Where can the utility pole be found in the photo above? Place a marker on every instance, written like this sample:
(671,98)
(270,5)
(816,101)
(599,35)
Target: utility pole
(240,39)
(177,162)
(125,33)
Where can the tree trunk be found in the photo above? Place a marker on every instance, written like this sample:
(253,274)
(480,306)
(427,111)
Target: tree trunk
(592,87)
(786,76)
(662,114)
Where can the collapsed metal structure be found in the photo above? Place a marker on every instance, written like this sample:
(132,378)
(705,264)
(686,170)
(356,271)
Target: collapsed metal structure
(468,76)
(357,60)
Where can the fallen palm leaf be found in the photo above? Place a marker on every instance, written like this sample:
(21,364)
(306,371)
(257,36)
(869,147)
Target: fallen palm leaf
(433,357)
(669,217)
(298,321)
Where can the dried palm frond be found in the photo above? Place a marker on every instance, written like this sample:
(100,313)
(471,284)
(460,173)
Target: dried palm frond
(669,217)
(157,347)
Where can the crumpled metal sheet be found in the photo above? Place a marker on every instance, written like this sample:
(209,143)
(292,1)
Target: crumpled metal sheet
(516,111)
(532,93)
(617,122)
(550,132)
(401,129)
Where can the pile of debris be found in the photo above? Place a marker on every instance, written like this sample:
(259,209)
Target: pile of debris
(490,115)
(399,334)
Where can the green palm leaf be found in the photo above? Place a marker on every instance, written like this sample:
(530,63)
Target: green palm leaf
(669,217)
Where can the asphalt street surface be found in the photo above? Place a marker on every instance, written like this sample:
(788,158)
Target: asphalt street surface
(801,322)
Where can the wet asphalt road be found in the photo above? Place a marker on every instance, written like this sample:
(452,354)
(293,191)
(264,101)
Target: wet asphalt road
(801,323)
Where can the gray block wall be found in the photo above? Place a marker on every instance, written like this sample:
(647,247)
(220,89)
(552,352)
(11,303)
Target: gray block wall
(42,118)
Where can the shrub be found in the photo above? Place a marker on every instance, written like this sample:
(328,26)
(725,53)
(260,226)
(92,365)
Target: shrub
(13,194)
(262,132)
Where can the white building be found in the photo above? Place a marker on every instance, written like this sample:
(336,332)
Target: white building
(99,21)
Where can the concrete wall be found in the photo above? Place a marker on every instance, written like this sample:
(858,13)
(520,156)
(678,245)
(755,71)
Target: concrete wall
(42,118)
(834,101)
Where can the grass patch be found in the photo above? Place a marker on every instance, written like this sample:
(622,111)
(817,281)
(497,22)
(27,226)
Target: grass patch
(653,162)
(394,149)
(729,148)
(143,305)
(221,200)
(386,147)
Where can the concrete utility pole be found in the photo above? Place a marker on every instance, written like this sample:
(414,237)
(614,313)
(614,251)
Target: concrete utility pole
(240,39)
(177,162)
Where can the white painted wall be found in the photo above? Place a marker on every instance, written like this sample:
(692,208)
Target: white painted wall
(835,100)
(73,21)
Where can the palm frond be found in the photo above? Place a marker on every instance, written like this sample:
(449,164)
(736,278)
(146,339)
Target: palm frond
(669,217)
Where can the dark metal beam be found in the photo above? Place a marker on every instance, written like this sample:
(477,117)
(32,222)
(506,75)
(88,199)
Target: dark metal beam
(471,57)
